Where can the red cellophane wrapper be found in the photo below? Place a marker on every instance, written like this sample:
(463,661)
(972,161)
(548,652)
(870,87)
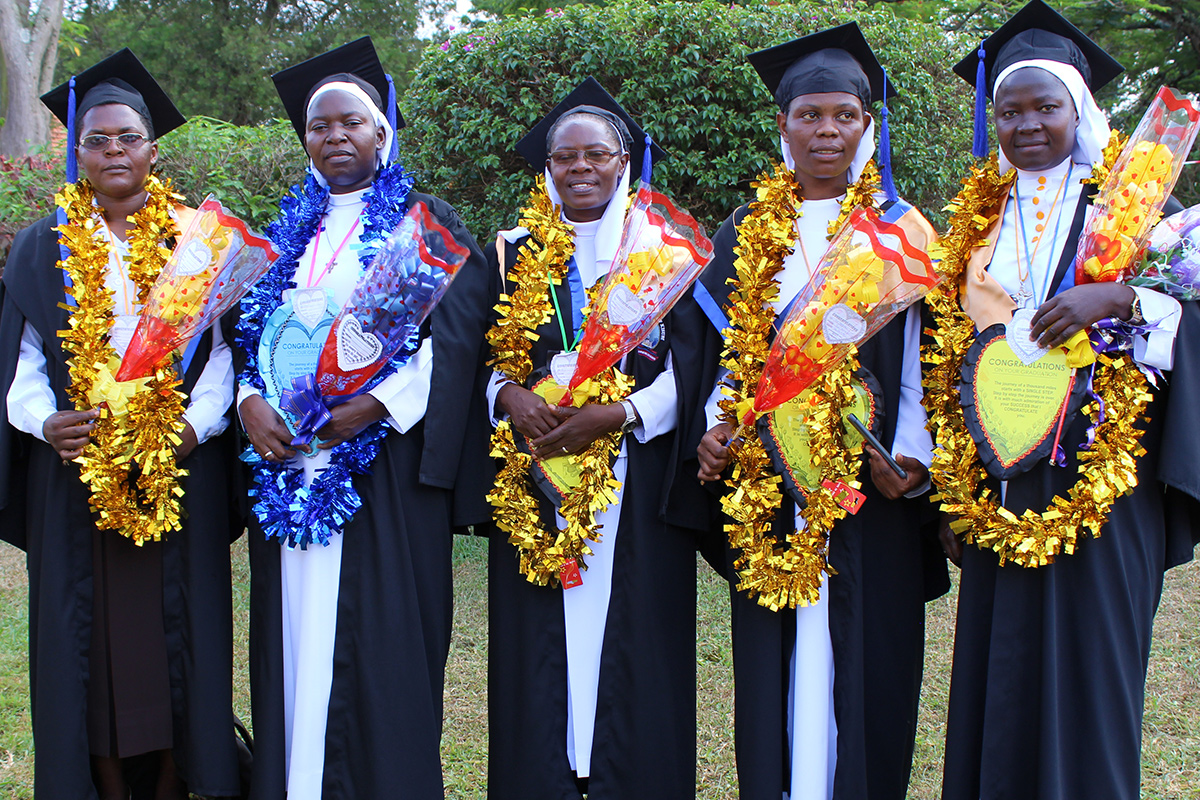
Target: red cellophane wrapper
(1132,197)
(213,265)
(406,279)
(663,250)
(868,275)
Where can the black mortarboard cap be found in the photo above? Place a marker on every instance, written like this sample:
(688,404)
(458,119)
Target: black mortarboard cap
(833,60)
(120,78)
(592,96)
(1037,31)
(125,74)
(358,58)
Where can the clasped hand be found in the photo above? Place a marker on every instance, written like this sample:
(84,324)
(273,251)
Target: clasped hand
(272,439)
(68,432)
(553,431)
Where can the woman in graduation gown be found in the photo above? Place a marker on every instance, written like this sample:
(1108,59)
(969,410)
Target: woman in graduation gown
(351,536)
(826,693)
(1046,694)
(130,646)
(591,688)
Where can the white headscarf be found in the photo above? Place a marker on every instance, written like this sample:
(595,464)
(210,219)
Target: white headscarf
(377,115)
(612,223)
(866,150)
(608,235)
(1091,135)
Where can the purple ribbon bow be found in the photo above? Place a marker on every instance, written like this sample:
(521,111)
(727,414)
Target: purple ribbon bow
(305,402)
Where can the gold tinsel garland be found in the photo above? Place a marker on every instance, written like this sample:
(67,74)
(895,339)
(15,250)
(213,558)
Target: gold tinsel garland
(140,427)
(790,575)
(1108,469)
(542,265)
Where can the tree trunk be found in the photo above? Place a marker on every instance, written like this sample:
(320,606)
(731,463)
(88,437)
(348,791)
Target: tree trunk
(30,51)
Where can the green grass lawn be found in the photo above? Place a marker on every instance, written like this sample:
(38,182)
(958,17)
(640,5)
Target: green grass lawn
(1170,755)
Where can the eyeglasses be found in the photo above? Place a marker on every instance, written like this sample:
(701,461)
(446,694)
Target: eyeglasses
(597,158)
(98,141)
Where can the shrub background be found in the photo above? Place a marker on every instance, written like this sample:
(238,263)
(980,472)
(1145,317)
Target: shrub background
(679,68)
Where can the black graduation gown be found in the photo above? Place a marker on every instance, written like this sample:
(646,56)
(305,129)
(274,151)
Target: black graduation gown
(645,731)
(394,607)
(44,510)
(1048,683)
(888,564)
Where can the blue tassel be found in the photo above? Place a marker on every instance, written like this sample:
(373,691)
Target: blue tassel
(885,148)
(391,118)
(647,167)
(979,147)
(72,139)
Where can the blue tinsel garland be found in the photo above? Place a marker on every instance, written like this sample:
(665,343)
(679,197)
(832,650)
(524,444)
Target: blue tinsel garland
(286,509)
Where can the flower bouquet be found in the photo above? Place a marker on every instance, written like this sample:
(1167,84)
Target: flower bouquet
(868,275)
(1171,264)
(213,265)
(1136,189)
(663,250)
(395,295)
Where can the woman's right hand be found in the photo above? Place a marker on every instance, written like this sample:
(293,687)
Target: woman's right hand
(269,434)
(532,416)
(713,452)
(68,432)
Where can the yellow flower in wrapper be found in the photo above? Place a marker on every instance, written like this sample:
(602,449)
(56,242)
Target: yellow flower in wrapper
(1135,187)
(1108,469)
(186,301)
(817,348)
(141,420)
(542,265)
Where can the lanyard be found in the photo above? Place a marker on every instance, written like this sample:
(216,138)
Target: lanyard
(336,253)
(578,301)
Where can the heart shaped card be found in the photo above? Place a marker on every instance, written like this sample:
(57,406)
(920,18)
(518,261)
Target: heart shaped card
(785,432)
(1014,408)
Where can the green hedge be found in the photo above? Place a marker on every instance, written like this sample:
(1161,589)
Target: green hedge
(681,69)
(247,167)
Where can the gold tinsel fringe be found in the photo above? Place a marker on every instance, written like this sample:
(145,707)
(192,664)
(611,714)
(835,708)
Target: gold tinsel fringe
(143,437)
(1108,469)
(791,574)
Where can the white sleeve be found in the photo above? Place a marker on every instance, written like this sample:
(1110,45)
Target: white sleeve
(1157,348)
(213,392)
(30,399)
(712,411)
(496,382)
(656,406)
(405,393)
(912,438)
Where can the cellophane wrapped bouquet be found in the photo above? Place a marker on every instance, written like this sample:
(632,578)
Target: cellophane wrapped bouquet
(1132,196)
(869,274)
(213,265)
(395,295)
(663,250)
(1171,263)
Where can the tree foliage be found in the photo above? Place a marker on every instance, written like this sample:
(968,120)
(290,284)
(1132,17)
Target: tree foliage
(215,57)
(680,68)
